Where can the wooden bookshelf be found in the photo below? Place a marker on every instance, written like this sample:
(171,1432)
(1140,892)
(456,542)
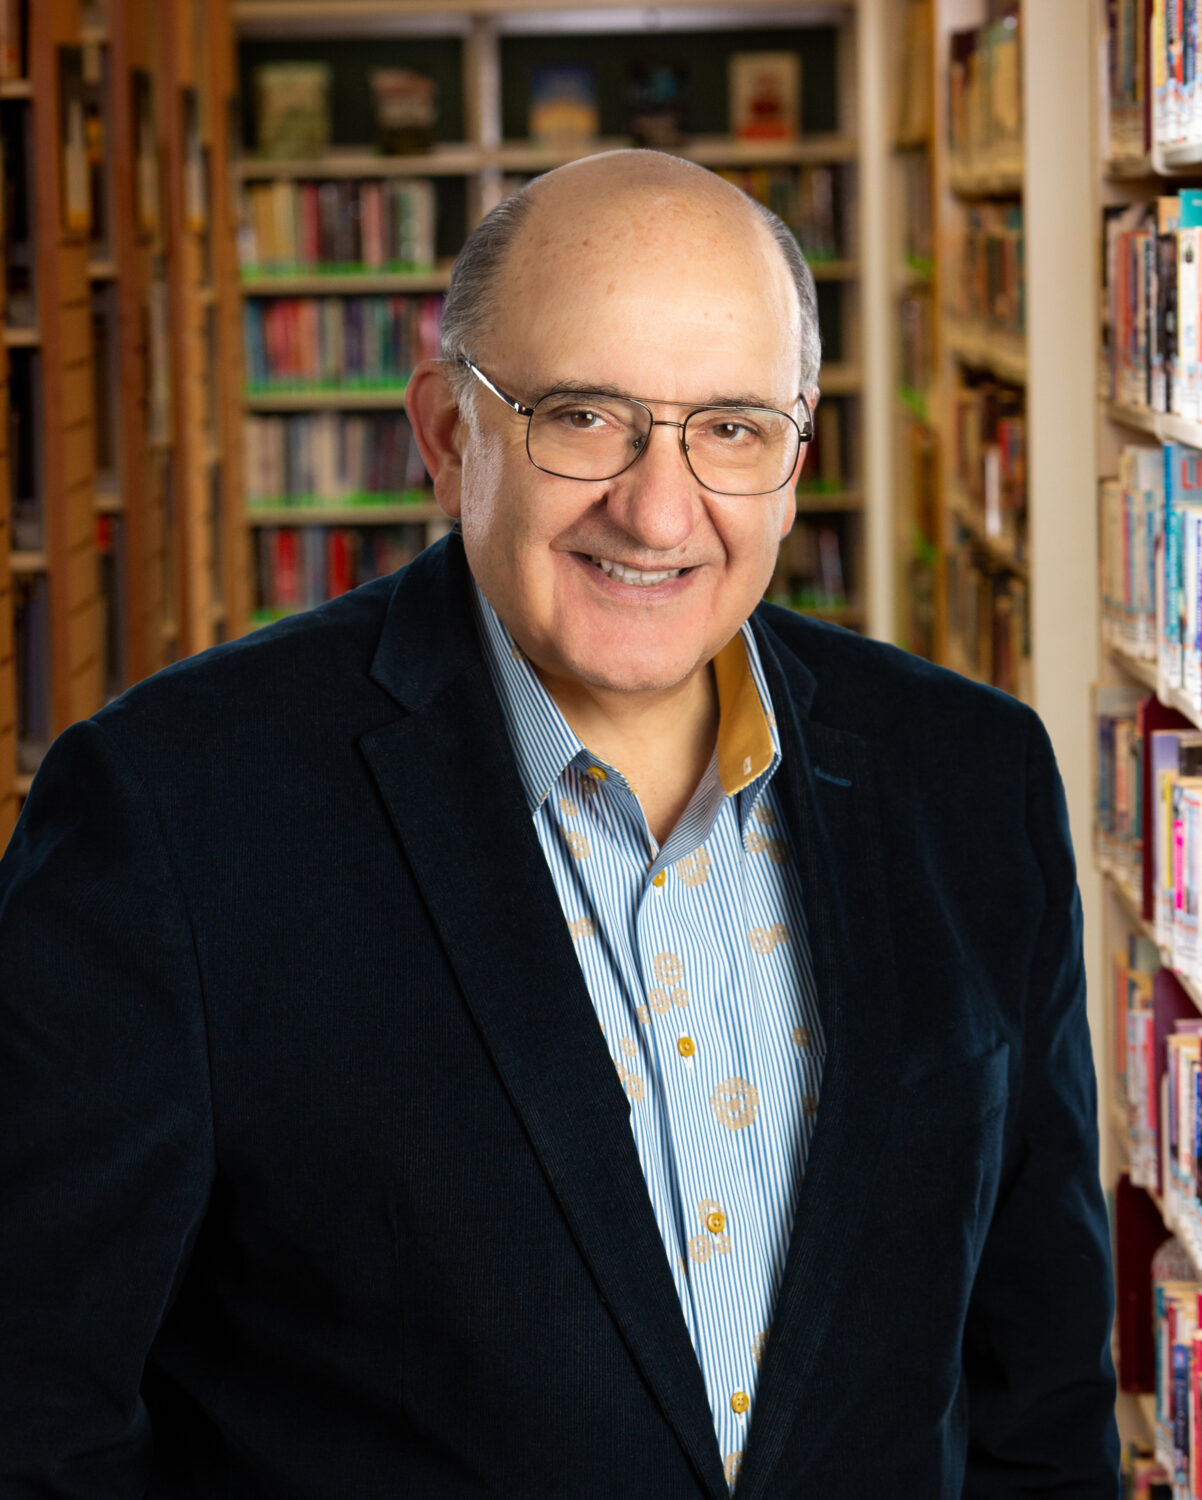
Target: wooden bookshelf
(981,542)
(917,522)
(9,794)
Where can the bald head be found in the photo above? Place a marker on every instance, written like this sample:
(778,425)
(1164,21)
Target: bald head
(619,211)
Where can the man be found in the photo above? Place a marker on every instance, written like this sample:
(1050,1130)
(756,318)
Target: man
(523,1029)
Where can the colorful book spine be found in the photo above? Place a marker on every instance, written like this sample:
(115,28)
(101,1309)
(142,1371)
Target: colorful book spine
(291,228)
(314,344)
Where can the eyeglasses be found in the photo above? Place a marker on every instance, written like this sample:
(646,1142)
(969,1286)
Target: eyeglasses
(591,435)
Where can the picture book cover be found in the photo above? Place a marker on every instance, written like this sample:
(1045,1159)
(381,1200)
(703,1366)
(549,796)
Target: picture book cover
(563,104)
(765,96)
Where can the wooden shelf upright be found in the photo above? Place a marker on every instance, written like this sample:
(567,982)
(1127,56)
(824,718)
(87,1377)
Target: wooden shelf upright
(204,312)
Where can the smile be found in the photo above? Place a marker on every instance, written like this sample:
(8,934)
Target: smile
(634,576)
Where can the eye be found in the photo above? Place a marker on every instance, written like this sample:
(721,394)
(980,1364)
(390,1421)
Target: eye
(582,419)
(732,431)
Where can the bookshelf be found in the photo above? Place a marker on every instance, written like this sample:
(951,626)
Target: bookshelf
(921,625)
(100,502)
(837,560)
(981,544)
(1141,175)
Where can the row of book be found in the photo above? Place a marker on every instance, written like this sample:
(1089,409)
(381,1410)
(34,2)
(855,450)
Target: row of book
(14,38)
(332,458)
(1151,297)
(1179,1383)
(918,231)
(987,457)
(297,568)
(984,115)
(1127,123)
(810,572)
(1157,530)
(1174,58)
(987,284)
(337,343)
(988,615)
(289,228)
(812,201)
(1131,512)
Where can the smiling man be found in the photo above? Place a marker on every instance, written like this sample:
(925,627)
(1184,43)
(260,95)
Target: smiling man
(546,1025)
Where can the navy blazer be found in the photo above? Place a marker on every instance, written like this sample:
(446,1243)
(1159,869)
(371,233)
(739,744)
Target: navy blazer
(317,1177)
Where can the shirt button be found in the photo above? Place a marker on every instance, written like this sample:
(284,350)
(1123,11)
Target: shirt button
(739,1402)
(660,878)
(597,773)
(715,1223)
(686,1046)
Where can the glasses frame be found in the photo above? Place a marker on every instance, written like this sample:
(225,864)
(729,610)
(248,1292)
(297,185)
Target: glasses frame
(805,434)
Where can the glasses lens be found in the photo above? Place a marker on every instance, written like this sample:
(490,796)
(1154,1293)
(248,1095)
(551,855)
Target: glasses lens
(745,450)
(586,436)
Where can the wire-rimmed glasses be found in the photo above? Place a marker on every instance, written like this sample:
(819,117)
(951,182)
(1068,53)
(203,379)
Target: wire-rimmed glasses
(597,435)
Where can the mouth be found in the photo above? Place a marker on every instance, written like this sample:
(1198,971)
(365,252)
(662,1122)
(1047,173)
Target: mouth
(636,577)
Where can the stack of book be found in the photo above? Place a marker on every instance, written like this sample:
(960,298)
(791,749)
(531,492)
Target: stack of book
(291,228)
(314,344)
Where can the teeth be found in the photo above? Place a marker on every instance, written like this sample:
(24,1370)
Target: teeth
(633,575)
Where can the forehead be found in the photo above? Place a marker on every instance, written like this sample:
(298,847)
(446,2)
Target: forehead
(666,297)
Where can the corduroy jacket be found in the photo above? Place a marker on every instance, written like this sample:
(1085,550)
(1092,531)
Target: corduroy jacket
(316,1178)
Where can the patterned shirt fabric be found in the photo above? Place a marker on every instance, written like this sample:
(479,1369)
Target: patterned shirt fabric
(697,959)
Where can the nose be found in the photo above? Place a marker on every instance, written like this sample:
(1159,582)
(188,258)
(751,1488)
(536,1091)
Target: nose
(657,501)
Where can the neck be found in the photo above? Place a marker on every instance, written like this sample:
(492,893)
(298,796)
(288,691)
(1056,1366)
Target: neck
(661,742)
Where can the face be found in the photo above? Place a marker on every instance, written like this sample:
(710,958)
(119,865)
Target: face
(680,309)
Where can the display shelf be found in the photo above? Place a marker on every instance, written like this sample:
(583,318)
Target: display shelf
(16,88)
(367,283)
(1139,667)
(457,160)
(1005,180)
(1002,354)
(347,515)
(1163,426)
(998,550)
(22,338)
(27,562)
(284,401)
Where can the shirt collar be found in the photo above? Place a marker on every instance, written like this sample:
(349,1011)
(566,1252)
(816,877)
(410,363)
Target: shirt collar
(544,744)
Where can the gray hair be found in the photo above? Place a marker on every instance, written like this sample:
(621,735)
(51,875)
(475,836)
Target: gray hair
(476,274)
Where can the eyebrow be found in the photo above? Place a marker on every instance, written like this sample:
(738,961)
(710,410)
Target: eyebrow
(600,388)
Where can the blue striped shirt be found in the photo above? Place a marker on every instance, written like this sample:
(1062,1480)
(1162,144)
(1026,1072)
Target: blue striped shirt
(697,960)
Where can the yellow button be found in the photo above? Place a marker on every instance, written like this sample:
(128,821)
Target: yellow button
(715,1223)
(686,1046)
(660,878)
(739,1402)
(597,773)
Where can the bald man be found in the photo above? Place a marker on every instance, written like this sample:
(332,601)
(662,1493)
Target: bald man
(546,1025)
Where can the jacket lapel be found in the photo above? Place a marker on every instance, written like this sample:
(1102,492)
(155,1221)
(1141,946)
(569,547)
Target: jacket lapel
(449,782)
(836,829)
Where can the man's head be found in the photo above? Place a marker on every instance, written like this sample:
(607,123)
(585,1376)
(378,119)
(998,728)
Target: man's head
(634,273)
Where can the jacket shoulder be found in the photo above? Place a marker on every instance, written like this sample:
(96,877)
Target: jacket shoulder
(872,688)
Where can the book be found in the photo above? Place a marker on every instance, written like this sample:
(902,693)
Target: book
(292,118)
(73,147)
(657,103)
(765,95)
(562,108)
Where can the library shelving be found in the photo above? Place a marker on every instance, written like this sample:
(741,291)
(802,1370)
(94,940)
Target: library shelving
(920,622)
(1146,180)
(301,250)
(982,544)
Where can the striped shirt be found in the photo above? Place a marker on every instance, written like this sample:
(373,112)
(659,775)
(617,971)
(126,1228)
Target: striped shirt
(697,959)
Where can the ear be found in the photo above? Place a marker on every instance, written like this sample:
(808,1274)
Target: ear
(439,429)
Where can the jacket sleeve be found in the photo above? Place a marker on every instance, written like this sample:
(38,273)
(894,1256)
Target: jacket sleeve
(1037,1361)
(106,1151)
